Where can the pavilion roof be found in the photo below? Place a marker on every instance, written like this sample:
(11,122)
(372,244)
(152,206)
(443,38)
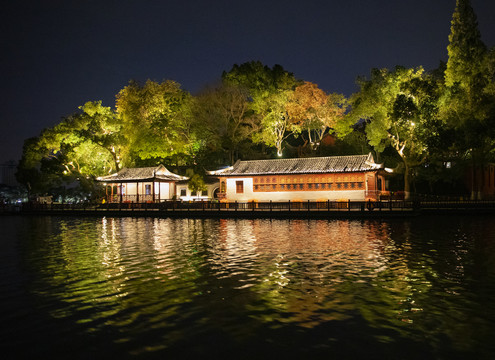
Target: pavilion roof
(313,165)
(142,174)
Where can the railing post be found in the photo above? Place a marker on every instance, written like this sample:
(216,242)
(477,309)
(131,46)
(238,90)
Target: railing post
(235,205)
(328,205)
(308,205)
(289,205)
(270,205)
(349,204)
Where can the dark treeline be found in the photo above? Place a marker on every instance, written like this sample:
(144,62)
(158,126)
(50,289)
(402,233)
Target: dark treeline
(431,127)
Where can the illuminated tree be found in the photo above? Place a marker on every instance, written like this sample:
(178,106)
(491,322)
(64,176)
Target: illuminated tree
(468,103)
(103,129)
(260,80)
(223,119)
(269,90)
(197,184)
(276,124)
(314,111)
(400,110)
(83,145)
(156,119)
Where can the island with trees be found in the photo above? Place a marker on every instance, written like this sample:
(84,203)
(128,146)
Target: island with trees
(435,128)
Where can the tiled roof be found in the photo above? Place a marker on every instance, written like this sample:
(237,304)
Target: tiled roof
(327,164)
(146,173)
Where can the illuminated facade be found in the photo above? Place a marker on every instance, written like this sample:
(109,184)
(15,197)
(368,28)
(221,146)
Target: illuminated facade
(355,177)
(140,185)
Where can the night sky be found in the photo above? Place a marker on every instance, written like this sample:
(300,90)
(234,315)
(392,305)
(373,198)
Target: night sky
(58,54)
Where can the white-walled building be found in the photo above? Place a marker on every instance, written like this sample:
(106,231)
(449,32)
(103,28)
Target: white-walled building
(355,177)
(186,194)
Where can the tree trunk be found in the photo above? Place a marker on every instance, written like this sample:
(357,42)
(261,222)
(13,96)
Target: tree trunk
(115,160)
(476,177)
(407,182)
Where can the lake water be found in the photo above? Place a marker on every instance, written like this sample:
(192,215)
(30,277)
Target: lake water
(86,288)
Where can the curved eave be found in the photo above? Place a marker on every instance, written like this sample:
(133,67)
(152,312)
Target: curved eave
(300,172)
(152,179)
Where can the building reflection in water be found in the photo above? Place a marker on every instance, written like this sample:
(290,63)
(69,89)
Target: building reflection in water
(211,274)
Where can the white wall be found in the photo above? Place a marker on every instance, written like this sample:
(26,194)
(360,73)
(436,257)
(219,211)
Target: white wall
(188,197)
(164,190)
(250,195)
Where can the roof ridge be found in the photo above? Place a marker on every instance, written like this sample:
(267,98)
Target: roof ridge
(306,158)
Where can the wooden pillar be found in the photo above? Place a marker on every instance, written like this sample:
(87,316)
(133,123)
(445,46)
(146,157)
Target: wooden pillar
(137,192)
(153,190)
(121,191)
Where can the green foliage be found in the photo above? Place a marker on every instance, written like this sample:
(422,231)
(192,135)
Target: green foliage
(156,119)
(197,184)
(269,91)
(468,105)
(223,121)
(260,80)
(83,145)
(466,50)
(400,108)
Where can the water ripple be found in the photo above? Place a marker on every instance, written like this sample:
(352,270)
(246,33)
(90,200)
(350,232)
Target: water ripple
(159,286)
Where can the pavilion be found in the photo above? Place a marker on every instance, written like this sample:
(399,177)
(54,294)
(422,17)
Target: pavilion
(140,185)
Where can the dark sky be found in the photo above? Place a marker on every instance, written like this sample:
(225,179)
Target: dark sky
(58,54)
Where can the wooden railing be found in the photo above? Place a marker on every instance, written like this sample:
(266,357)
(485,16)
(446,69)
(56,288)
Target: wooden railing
(369,206)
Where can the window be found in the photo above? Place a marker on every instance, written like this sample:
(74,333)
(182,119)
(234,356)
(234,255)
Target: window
(239,187)
(301,186)
(147,189)
(256,187)
(310,186)
(183,192)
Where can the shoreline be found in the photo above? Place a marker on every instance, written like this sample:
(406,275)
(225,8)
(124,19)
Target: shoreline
(315,210)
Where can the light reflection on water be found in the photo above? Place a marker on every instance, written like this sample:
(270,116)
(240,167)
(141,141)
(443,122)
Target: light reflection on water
(148,286)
